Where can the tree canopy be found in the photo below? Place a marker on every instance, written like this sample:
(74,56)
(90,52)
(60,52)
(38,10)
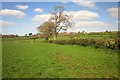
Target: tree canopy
(58,21)
(46,29)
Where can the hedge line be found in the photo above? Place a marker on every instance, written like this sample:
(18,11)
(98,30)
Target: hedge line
(97,43)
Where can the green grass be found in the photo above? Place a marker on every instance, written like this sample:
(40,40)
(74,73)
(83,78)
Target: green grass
(85,36)
(25,59)
(94,36)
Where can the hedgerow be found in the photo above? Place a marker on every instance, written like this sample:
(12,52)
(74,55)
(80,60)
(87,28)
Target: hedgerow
(97,43)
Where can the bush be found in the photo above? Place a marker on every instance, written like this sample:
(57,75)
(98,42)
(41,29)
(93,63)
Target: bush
(97,43)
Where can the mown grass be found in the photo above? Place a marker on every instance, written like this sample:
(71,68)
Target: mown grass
(25,59)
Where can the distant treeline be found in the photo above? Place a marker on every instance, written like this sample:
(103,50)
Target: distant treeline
(9,36)
(112,34)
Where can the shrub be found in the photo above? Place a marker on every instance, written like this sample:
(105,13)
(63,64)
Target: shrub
(97,43)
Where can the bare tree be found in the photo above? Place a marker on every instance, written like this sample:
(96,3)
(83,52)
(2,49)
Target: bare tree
(61,20)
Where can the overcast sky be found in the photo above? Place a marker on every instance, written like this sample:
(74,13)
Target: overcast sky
(24,17)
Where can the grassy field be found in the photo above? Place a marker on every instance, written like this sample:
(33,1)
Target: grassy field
(88,36)
(25,59)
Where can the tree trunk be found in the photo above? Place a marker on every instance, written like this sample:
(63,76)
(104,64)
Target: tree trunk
(55,36)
